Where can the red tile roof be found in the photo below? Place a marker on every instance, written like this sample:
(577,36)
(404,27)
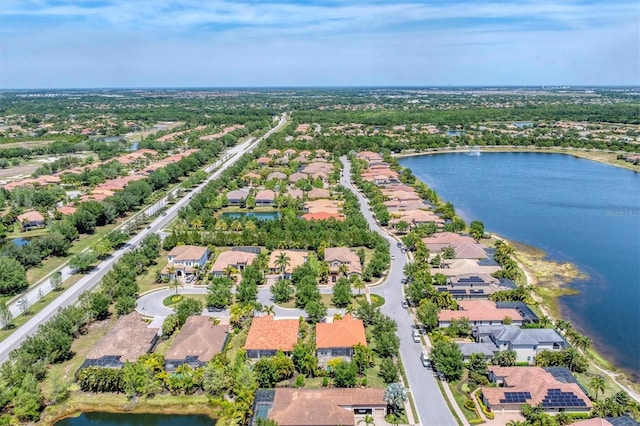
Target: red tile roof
(267,333)
(323,216)
(342,333)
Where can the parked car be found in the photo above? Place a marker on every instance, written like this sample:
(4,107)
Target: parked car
(148,226)
(399,244)
(405,304)
(393,256)
(416,335)
(424,357)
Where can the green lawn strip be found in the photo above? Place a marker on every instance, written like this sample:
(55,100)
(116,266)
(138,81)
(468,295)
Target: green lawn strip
(35,275)
(37,307)
(167,404)
(163,345)
(453,411)
(236,343)
(584,378)
(460,398)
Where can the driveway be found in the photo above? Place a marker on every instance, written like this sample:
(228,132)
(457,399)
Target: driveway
(430,404)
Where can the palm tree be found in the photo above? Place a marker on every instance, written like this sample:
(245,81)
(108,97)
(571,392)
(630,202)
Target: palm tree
(563,326)
(282,262)
(269,310)
(598,385)
(358,282)
(229,269)
(175,285)
(367,420)
(582,341)
(343,269)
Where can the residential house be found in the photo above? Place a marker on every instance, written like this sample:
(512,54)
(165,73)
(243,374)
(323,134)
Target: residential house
(526,342)
(273,152)
(184,261)
(471,286)
(337,256)
(197,342)
(236,259)
(337,339)
(323,216)
(525,311)
(263,161)
(66,210)
(251,177)
(325,407)
(127,340)
(295,193)
(276,176)
(465,247)
(317,193)
(297,176)
(237,197)
(454,267)
(369,156)
(323,206)
(289,152)
(296,258)
(31,220)
(479,312)
(534,386)
(267,336)
(265,197)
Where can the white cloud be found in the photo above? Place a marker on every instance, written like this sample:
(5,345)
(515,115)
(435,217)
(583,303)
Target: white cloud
(160,44)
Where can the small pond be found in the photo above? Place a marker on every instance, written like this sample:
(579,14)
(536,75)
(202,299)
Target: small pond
(251,215)
(522,124)
(20,241)
(118,419)
(454,133)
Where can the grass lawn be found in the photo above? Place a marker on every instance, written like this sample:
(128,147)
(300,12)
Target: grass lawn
(169,300)
(371,374)
(118,403)
(163,345)
(461,397)
(34,275)
(147,281)
(37,307)
(235,343)
(80,347)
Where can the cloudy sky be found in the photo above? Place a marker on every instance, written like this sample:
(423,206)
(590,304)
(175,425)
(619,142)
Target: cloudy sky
(240,43)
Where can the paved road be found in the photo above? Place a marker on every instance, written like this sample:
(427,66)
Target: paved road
(151,304)
(431,406)
(70,296)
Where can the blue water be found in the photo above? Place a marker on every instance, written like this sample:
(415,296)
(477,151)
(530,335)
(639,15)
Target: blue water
(575,210)
(254,215)
(112,419)
(19,241)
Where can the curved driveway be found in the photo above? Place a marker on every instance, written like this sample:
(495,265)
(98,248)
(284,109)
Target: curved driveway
(430,404)
(151,304)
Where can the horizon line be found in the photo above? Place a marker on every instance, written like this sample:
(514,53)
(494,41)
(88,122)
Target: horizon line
(265,87)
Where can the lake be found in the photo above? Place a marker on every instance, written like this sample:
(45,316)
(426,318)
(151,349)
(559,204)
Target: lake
(577,211)
(250,215)
(116,419)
